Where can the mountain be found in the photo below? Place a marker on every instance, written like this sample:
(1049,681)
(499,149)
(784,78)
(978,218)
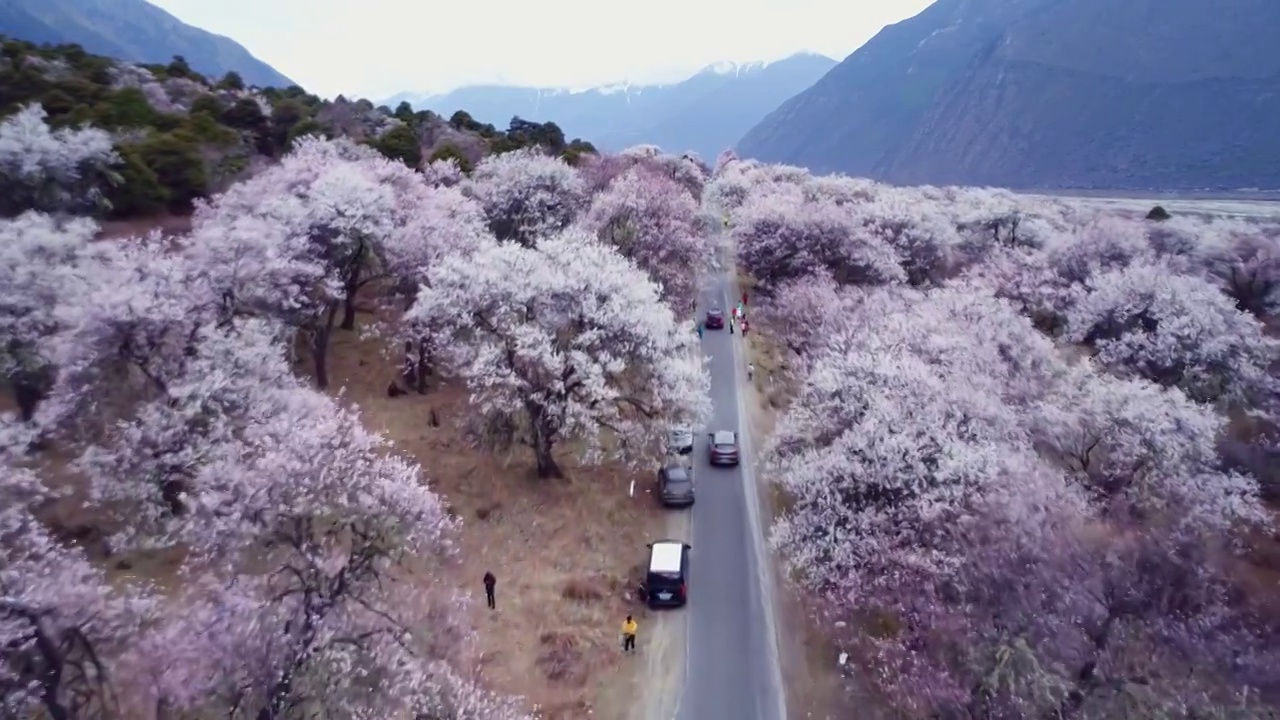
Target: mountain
(1054,94)
(133,30)
(705,113)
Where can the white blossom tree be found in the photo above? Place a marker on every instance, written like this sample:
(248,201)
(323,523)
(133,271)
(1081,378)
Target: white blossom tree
(1175,330)
(50,170)
(562,341)
(526,195)
(38,254)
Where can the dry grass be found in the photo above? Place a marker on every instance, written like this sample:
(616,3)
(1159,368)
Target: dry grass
(168,224)
(567,553)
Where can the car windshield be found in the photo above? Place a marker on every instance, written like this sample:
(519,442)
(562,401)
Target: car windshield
(677,475)
(723,439)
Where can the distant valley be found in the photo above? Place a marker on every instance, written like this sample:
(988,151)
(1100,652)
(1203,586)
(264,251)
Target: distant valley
(705,113)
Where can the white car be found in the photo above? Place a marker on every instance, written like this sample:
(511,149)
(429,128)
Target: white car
(680,440)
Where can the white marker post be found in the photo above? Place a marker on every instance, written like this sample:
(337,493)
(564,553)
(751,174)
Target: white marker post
(632,491)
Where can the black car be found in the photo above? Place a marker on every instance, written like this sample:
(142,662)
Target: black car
(675,485)
(666,582)
(715,319)
(724,447)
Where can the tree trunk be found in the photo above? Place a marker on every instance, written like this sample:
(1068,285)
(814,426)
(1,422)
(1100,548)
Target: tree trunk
(28,395)
(320,346)
(422,368)
(351,287)
(547,467)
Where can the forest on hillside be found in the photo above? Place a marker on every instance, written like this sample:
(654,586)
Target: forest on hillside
(182,136)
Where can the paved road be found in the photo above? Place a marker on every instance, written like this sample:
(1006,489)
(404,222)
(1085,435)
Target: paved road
(732,659)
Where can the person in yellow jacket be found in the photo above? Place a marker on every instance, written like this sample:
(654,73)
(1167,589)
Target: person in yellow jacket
(629,635)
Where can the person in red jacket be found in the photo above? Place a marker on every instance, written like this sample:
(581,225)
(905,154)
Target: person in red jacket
(744,298)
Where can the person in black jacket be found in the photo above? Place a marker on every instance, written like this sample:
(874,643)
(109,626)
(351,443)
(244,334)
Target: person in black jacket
(490,582)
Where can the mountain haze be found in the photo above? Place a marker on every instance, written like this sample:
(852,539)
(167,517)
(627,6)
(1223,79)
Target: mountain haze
(1160,94)
(706,113)
(135,31)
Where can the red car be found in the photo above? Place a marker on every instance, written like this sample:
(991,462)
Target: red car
(724,447)
(715,319)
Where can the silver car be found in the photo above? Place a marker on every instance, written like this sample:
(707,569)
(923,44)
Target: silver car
(680,440)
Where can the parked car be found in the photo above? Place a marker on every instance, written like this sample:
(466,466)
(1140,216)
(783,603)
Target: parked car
(715,319)
(675,485)
(724,447)
(666,582)
(680,440)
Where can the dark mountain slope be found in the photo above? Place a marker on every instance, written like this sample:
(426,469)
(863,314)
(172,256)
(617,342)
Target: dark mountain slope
(132,30)
(706,113)
(1178,94)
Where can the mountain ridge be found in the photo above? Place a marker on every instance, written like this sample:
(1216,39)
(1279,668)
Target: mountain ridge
(135,31)
(1049,94)
(704,113)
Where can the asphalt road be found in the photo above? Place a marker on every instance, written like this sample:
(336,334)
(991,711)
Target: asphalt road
(731,670)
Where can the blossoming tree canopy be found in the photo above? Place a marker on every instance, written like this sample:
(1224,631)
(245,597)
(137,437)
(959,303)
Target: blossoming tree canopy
(526,195)
(566,340)
(51,170)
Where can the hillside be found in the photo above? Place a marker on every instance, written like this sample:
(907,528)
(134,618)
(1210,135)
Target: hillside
(705,113)
(183,136)
(1047,94)
(136,31)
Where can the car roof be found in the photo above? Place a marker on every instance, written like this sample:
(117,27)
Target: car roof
(677,472)
(665,556)
(724,437)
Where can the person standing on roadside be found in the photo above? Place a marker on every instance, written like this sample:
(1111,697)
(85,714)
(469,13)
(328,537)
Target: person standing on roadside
(629,635)
(751,367)
(490,583)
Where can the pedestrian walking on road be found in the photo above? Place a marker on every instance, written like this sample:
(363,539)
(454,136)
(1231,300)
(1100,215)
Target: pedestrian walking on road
(731,324)
(699,331)
(751,367)
(490,582)
(744,298)
(744,327)
(629,635)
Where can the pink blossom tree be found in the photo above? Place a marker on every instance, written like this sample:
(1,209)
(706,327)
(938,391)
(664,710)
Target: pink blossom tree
(725,157)
(565,340)
(1244,257)
(1142,451)
(1176,330)
(526,195)
(52,170)
(341,518)
(61,623)
(650,219)
(781,237)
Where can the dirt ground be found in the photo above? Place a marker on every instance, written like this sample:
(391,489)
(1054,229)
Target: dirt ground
(567,554)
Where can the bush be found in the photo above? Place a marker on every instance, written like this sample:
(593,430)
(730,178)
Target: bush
(400,143)
(449,151)
(139,191)
(177,166)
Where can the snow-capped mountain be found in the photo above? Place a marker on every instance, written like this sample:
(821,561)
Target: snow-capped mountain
(705,113)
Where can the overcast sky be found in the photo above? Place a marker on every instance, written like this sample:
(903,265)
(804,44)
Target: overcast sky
(375,48)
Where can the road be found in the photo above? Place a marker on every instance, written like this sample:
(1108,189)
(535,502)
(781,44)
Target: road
(731,663)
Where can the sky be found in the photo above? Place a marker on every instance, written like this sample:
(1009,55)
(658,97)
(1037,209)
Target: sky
(377,48)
